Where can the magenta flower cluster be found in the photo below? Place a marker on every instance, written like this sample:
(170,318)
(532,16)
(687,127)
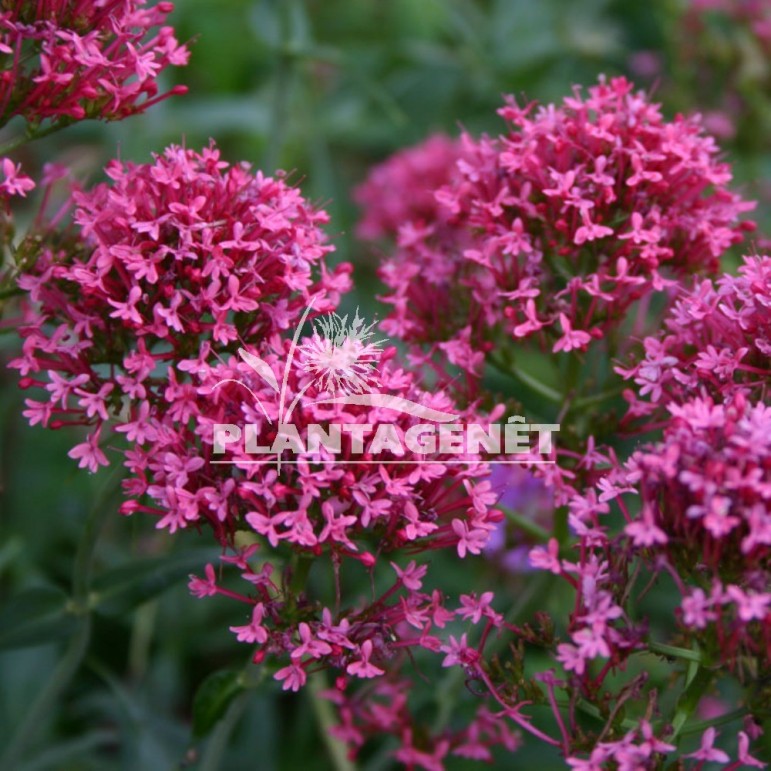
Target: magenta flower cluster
(170,259)
(173,261)
(67,61)
(552,231)
(176,299)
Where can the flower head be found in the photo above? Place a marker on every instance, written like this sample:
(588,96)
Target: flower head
(74,60)
(341,356)
(553,230)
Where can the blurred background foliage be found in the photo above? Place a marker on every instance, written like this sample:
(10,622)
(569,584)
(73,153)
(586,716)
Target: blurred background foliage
(322,89)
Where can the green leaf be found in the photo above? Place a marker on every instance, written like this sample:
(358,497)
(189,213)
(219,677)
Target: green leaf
(35,617)
(213,697)
(124,588)
(697,679)
(80,750)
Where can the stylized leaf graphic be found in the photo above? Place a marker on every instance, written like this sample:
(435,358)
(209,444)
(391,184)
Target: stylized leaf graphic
(393,403)
(243,385)
(262,368)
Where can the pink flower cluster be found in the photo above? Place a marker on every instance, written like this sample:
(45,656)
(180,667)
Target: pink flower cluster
(177,258)
(171,258)
(174,304)
(401,192)
(716,340)
(385,708)
(353,517)
(67,61)
(552,231)
(705,500)
(703,491)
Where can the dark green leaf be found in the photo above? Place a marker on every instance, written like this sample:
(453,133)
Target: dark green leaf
(35,617)
(121,589)
(212,699)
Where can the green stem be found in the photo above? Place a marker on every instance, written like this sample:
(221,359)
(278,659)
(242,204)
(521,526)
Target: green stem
(447,698)
(674,652)
(592,711)
(220,737)
(14,292)
(42,706)
(31,136)
(560,527)
(81,574)
(509,368)
(526,525)
(141,639)
(537,587)
(690,698)
(598,398)
(703,725)
(572,375)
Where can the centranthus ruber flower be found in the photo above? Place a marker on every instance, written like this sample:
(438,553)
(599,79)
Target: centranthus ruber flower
(68,61)
(705,500)
(716,340)
(14,182)
(324,510)
(553,230)
(131,332)
(401,192)
(169,259)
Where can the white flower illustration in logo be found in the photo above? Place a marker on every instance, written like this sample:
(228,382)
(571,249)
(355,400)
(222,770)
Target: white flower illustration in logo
(342,356)
(342,359)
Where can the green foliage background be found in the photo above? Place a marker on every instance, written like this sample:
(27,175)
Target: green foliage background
(102,650)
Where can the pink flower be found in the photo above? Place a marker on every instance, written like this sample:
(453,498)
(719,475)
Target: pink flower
(470,539)
(308,646)
(590,231)
(547,558)
(204,587)
(510,238)
(705,482)
(716,340)
(750,605)
(473,608)
(88,60)
(696,609)
(459,653)
(15,183)
(744,756)
(571,658)
(571,339)
(363,667)
(645,532)
(293,675)
(88,454)
(411,577)
(707,752)
(253,631)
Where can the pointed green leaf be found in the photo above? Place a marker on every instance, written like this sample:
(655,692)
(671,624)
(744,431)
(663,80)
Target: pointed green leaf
(212,699)
(35,617)
(121,589)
